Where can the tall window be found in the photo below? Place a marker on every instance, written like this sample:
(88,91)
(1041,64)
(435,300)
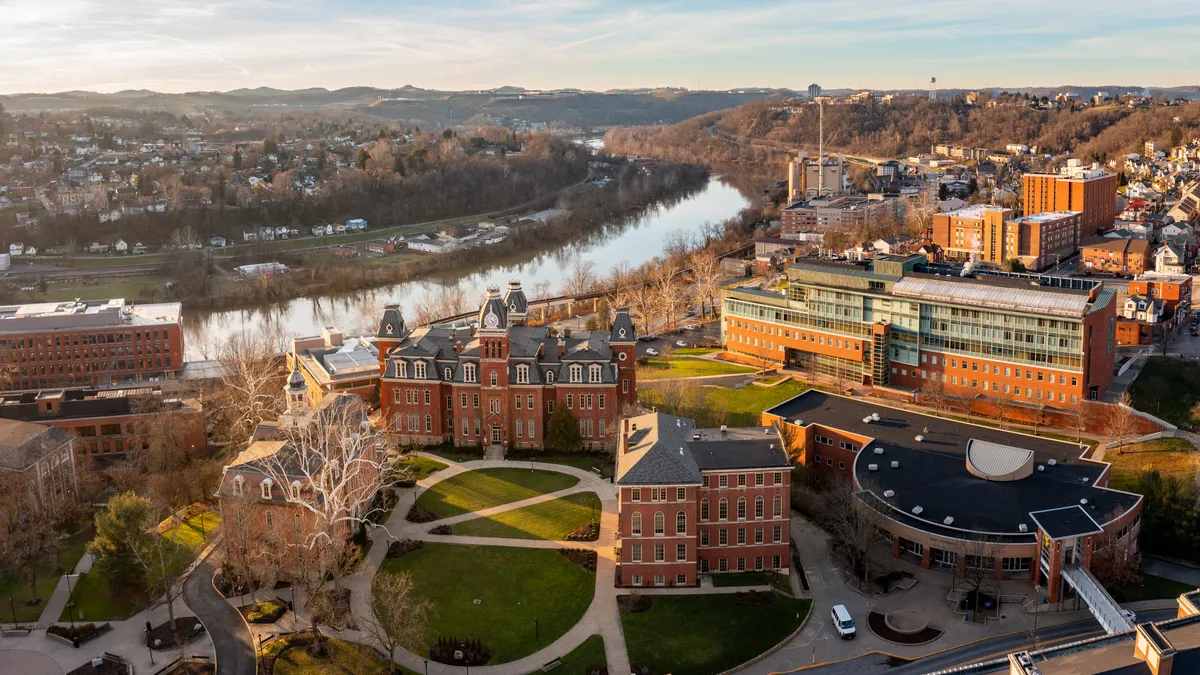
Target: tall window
(723,509)
(402,369)
(270,520)
(704,509)
(299,523)
(449,372)
(636,553)
(660,525)
(295,490)
(549,377)
(758,507)
(522,374)
(265,487)
(594,373)
(741,508)
(494,378)
(635,524)
(680,523)
(469,373)
(419,370)
(529,426)
(576,373)
(777,507)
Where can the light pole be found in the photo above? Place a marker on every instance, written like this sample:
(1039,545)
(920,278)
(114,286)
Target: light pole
(426,666)
(70,602)
(13,607)
(537,636)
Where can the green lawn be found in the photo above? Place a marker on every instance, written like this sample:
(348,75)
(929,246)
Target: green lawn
(740,407)
(1168,456)
(1167,388)
(693,351)
(513,585)
(1150,588)
(128,287)
(678,634)
(475,490)
(580,460)
(344,658)
(742,579)
(417,467)
(15,585)
(687,366)
(590,653)
(96,601)
(552,520)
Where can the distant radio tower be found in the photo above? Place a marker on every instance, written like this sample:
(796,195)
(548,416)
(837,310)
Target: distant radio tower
(933,89)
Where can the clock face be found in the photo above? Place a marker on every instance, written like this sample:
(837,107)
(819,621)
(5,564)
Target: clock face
(491,321)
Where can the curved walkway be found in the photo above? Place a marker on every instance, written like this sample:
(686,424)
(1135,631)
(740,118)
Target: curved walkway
(602,616)
(231,638)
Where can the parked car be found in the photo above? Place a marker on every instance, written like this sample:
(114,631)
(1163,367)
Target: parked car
(651,352)
(842,622)
(680,343)
(1128,614)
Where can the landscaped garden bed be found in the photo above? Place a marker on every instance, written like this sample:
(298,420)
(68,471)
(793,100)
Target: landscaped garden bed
(494,593)
(267,611)
(291,655)
(398,549)
(108,664)
(162,637)
(79,633)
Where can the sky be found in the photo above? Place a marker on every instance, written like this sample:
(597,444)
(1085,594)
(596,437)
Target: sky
(190,45)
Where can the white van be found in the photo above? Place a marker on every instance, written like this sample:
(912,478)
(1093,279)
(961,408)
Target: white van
(842,622)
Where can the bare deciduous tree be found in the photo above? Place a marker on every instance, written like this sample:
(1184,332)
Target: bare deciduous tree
(706,271)
(582,278)
(250,380)
(1082,411)
(400,615)
(1121,422)
(933,391)
(851,527)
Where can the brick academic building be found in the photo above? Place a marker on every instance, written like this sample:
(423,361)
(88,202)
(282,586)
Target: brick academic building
(897,320)
(1087,190)
(499,383)
(88,344)
(698,502)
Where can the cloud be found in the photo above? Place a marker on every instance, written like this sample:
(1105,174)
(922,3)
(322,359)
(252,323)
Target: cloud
(176,45)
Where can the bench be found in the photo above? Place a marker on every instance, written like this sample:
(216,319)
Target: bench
(551,665)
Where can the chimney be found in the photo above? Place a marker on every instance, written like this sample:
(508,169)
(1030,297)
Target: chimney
(566,332)
(624,436)
(457,347)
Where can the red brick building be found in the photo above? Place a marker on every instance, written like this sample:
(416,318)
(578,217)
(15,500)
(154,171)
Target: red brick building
(698,502)
(499,384)
(1087,190)
(88,344)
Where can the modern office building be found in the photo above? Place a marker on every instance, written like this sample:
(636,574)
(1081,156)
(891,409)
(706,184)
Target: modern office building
(996,235)
(896,320)
(1088,190)
(500,383)
(331,363)
(699,502)
(953,496)
(105,343)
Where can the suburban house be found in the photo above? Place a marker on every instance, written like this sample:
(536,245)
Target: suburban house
(1170,260)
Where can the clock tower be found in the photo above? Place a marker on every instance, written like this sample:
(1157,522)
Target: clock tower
(493,368)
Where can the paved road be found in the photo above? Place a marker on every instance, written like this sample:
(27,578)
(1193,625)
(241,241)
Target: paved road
(231,638)
(1170,570)
(979,651)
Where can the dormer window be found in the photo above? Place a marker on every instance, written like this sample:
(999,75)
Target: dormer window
(295,490)
(419,370)
(576,373)
(238,482)
(469,373)
(401,369)
(449,374)
(594,374)
(549,377)
(522,374)
(265,487)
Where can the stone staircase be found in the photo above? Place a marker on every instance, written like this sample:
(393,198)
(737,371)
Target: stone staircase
(494,452)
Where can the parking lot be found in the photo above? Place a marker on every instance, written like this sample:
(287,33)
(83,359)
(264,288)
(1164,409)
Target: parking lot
(706,333)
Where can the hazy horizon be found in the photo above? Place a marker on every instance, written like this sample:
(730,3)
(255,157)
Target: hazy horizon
(176,46)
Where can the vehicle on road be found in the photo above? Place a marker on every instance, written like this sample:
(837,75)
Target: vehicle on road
(680,343)
(651,352)
(842,622)
(1128,613)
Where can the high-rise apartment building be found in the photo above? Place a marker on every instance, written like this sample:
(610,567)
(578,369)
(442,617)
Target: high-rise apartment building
(1088,190)
(104,343)
(897,320)
(996,235)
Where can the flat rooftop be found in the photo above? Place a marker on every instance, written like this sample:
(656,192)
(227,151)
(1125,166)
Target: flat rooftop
(974,211)
(994,293)
(1116,656)
(1046,216)
(86,315)
(932,472)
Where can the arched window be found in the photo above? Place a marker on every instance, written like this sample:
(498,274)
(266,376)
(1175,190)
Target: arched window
(680,523)
(778,507)
(704,509)
(419,370)
(635,524)
(449,374)
(265,486)
(495,379)
(660,524)
(549,377)
(522,374)
(529,425)
(758,507)
(295,490)
(299,523)
(270,520)
(237,486)
(594,373)
(741,508)
(723,509)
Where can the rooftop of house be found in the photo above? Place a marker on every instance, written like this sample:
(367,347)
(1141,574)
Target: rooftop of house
(932,483)
(86,315)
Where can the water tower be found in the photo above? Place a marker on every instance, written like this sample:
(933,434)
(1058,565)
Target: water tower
(933,89)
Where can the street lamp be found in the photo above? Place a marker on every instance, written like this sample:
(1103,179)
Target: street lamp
(70,602)
(537,636)
(13,607)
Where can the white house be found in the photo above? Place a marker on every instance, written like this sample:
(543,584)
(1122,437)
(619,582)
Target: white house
(1143,308)
(1169,260)
(249,236)
(322,230)
(97,247)
(16,249)
(1177,228)
(30,250)
(218,242)
(897,244)
(139,248)
(121,246)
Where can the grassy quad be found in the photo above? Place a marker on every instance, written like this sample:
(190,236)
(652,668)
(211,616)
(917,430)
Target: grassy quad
(416,467)
(552,520)
(485,488)
(687,366)
(513,585)
(95,600)
(14,585)
(678,634)
(590,653)
(1168,456)
(1168,388)
(742,407)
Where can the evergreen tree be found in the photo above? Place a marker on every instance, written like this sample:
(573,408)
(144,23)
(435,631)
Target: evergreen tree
(564,431)
(126,522)
(237,158)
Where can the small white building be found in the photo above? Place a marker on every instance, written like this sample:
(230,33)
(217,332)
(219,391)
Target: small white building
(218,242)
(262,269)
(121,246)
(356,224)
(1143,308)
(5,261)
(322,230)
(16,249)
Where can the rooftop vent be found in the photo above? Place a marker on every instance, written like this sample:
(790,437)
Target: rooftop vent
(799,422)
(872,467)
(1023,527)
(724,427)
(895,464)
(867,419)
(772,446)
(1041,467)
(889,493)
(919,438)
(879,451)
(874,417)
(766,431)
(917,510)
(948,520)
(1083,501)
(1052,462)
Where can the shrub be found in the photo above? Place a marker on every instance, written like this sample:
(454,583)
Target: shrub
(471,650)
(634,603)
(81,632)
(397,549)
(442,529)
(581,557)
(419,514)
(588,532)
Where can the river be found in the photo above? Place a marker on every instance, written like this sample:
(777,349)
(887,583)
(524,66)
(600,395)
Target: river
(356,313)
